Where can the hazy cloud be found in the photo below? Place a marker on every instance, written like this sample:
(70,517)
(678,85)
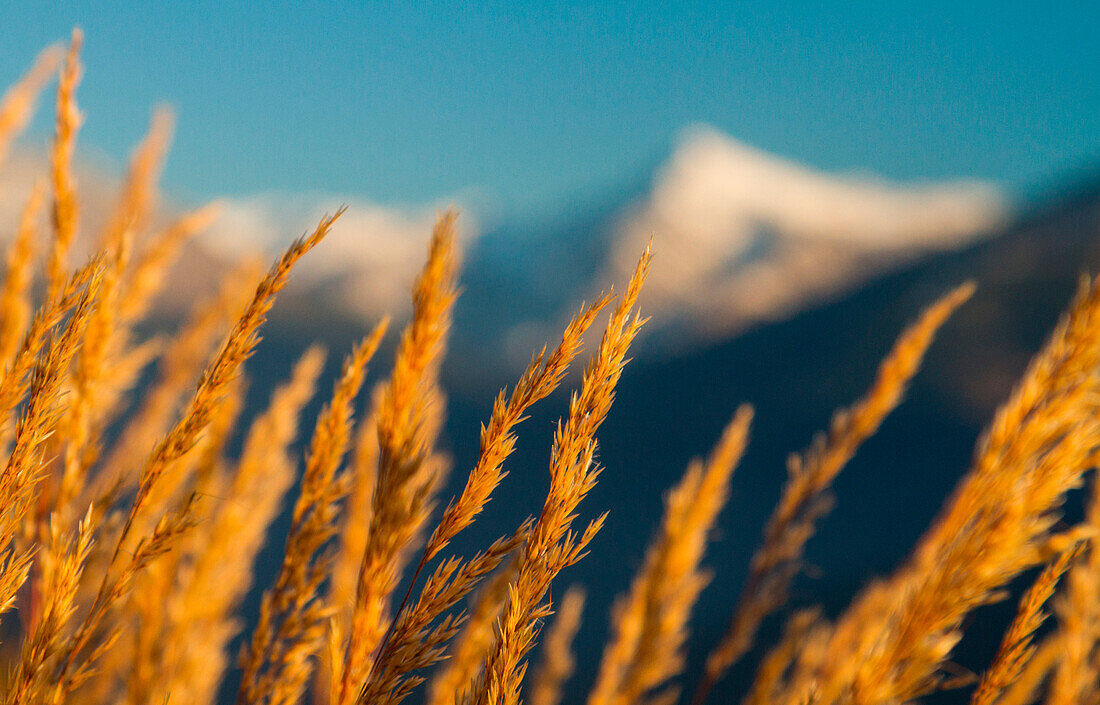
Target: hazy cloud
(365,268)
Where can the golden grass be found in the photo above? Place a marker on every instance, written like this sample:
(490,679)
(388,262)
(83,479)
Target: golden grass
(17,105)
(291,629)
(1017,648)
(805,497)
(651,622)
(15,307)
(558,663)
(61,164)
(125,557)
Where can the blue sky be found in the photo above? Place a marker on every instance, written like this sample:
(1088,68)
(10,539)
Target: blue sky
(538,105)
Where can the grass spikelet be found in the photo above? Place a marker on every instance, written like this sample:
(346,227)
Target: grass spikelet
(650,623)
(61,167)
(17,377)
(888,646)
(1023,690)
(806,498)
(164,538)
(405,440)
(277,665)
(357,518)
(1016,647)
(237,348)
(225,547)
(1077,674)
(201,410)
(153,628)
(558,663)
(773,669)
(179,367)
(417,640)
(542,376)
(107,367)
(15,307)
(17,105)
(59,582)
(467,652)
(23,469)
(553,546)
(353,537)
(90,378)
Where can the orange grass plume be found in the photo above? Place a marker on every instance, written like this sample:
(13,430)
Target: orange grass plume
(132,522)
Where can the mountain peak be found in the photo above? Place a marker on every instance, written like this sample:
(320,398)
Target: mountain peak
(743,235)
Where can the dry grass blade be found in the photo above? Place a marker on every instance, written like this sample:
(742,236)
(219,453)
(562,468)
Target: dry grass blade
(353,538)
(178,369)
(15,307)
(43,409)
(541,377)
(201,410)
(806,497)
(1077,674)
(1016,648)
(417,640)
(553,546)
(24,470)
(452,682)
(650,622)
(237,348)
(405,474)
(888,646)
(61,167)
(17,105)
(558,663)
(357,519)
(774,668)
(107,367)
(153,625)
(194,645)
(277,665)
(17,377)
(60,580)
(1023,691)
(91,379)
